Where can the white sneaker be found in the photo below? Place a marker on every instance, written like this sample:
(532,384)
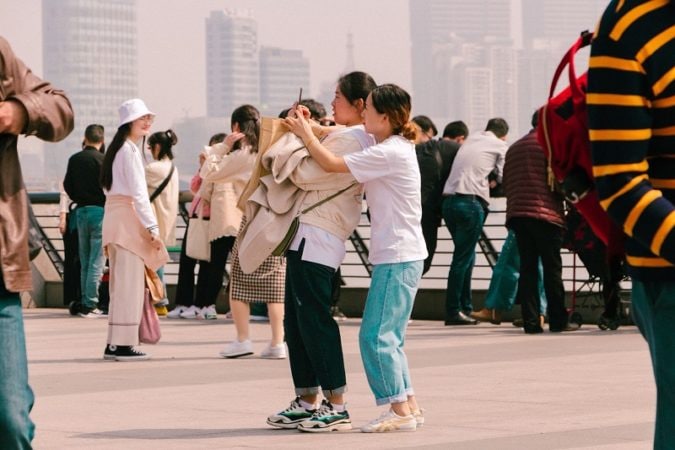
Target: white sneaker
(208,313)
(274,351)
(390,421)
(236,349)
(418,414)
(190,313)
(176,312)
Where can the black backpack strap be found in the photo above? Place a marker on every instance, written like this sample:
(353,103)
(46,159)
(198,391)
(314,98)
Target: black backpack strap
(161,187)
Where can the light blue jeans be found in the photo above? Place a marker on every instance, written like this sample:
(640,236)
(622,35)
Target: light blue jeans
(165,300)
(501,294)
(385,318)
(16,396)
(654,313)
(90,240)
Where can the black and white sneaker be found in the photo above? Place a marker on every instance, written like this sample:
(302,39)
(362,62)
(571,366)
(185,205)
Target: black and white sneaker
(325,419)
(91,313)
(291,416)
(123,353)
(109,353)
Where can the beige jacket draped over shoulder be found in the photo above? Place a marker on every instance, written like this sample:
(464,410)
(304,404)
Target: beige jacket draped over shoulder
(296,182)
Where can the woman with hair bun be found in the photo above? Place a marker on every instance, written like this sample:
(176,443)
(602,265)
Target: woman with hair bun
(162,178)
(391,180)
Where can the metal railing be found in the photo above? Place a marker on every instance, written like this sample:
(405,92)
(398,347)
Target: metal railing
(355,268)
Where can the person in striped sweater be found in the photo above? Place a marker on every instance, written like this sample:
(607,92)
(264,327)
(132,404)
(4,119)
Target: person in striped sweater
(631,105)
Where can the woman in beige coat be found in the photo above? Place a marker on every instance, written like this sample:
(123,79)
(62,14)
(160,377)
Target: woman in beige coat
(162,179)
(230,165)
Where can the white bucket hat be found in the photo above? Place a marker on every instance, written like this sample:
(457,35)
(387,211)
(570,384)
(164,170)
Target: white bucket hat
(133,109)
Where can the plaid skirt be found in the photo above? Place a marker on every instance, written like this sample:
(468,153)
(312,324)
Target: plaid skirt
(267,284)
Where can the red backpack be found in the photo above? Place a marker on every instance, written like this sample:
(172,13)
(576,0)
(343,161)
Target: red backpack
(563,133)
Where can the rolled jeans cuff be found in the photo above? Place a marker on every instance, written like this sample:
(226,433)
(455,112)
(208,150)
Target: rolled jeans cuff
(400,398)
(301,392)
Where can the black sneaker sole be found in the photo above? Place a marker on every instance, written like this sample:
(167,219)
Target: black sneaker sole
(341,426)
(284,425)
(238,355)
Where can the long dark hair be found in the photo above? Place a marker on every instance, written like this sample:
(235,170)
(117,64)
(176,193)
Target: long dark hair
(166,140)
(248,119)
(115,145)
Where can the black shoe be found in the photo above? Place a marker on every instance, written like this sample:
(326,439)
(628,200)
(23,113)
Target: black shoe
(109,352)
(338,315)
(571,326)
(533,330)
(460,319)
(123,353)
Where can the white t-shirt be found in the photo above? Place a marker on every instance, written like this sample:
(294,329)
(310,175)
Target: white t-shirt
(480,154)
(129,179)
(392,183)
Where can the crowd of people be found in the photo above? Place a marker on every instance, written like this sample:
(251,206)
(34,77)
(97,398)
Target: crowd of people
(311,179)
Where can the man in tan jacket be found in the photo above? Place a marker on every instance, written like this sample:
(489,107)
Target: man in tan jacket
(31,106)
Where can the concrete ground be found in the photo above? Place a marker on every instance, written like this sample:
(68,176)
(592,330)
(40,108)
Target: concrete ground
(483,387)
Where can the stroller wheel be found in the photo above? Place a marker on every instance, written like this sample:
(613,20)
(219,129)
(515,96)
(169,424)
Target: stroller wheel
(575,317)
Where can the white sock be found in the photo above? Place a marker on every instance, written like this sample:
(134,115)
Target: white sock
(307,406)
(338,408)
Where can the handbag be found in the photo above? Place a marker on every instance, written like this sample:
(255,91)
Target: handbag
(285,243)
(198,245)
(148,331)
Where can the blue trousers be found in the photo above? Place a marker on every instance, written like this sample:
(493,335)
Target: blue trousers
(382,335)
(16,396)
(90,241)
(464,217)
(654,313)
(501,294)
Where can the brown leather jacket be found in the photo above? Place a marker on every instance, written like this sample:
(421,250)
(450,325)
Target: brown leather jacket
(50,117)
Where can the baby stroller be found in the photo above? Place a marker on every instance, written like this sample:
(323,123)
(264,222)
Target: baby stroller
(605,270)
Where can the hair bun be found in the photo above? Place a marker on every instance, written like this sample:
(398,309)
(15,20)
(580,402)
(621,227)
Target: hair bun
(172,136)
(409,131)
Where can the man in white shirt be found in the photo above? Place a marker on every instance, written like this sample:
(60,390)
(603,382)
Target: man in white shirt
(465,208)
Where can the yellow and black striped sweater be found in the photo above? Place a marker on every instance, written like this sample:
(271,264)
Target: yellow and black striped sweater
(631,105)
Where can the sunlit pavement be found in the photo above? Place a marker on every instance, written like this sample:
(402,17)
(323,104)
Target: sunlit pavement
(483,387)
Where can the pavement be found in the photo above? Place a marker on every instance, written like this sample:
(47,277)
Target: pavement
(483,387)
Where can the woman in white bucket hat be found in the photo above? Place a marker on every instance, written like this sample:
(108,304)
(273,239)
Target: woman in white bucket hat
(130,230)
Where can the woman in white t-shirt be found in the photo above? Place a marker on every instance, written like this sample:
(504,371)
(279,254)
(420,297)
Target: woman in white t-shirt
(391,179)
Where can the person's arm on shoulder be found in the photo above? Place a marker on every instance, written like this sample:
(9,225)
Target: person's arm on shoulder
(32,105)
(326,159)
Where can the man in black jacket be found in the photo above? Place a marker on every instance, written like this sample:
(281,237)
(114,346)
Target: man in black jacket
(435,160)
(83,187)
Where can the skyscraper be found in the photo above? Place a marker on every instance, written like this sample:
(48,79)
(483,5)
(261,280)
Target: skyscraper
(232,64)
(436,23)
(90,50)
(282,74)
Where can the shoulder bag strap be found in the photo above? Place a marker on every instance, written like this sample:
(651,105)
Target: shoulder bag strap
(161,187)
(331,197)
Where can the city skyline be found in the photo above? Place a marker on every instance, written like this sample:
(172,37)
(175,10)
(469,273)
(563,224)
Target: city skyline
(480,63)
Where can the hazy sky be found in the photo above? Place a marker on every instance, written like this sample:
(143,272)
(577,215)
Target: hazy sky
(172,40)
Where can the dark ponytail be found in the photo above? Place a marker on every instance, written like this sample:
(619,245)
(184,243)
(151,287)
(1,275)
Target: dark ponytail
(248,119)
(117,142)
(166,140)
